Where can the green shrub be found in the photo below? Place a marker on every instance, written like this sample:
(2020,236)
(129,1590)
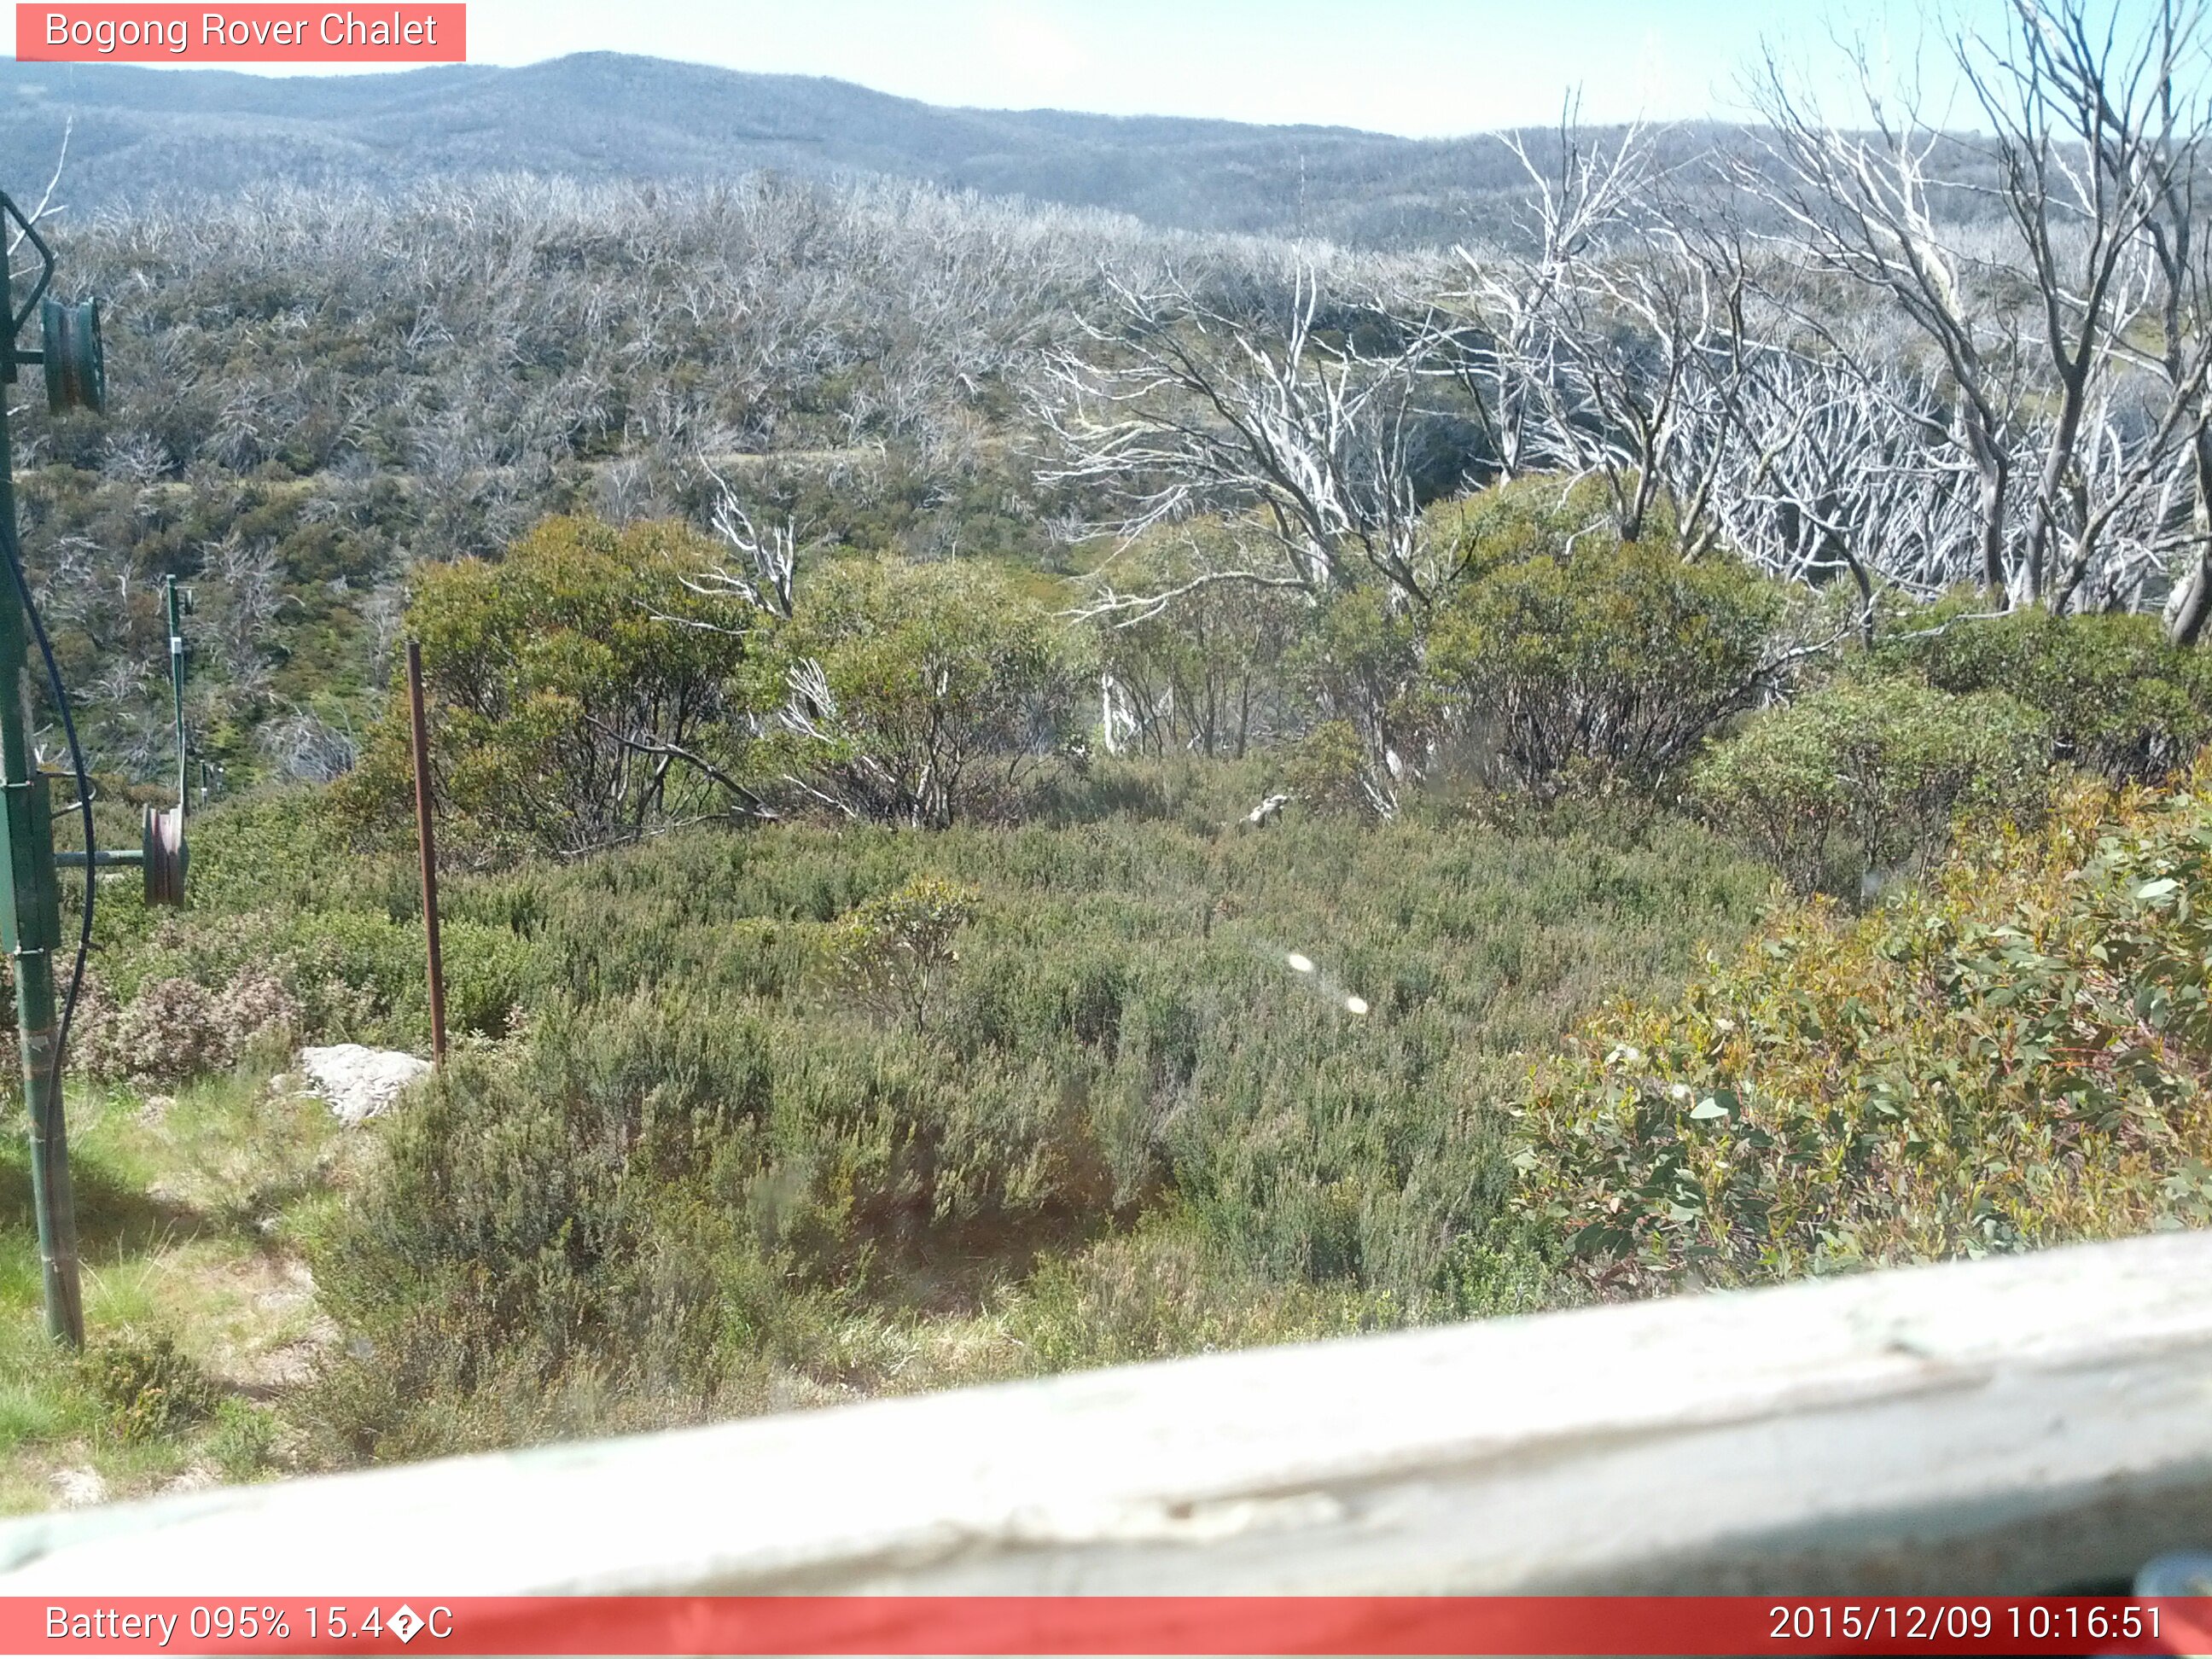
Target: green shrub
(486,970)
(1360,663)
(174,1029)
(1597,660)
(287,850)
(580,692)
(896,950)
(243,1444)
(1871,773)
(2121,702)
(512,1221)
(2013,1055)
(1204,671)
(1326,770)
(915,695)
(150,1388)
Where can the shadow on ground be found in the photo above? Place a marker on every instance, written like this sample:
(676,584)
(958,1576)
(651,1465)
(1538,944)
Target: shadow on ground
(115,1220)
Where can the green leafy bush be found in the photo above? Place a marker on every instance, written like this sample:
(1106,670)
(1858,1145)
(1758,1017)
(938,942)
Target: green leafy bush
(1359,664)
(1869,775)
(916,694)
(1326,770)
(1204,670)
(2014,1054)
(326,945)
(244,1441)
(2121,702)
(1166,1291)
(896,950)
(1584,657)
(580,692)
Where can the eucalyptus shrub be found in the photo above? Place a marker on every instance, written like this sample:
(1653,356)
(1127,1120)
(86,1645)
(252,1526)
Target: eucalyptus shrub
(579,693)
(916,694)
(1326,770)
(2013,1054)
(896,949)
(1604,661)
(2121,701)
(1868,775)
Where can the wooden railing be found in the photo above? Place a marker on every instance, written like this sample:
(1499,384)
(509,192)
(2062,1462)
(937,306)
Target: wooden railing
(2017,1426)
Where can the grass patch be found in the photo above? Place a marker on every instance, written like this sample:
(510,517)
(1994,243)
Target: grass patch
(199,1311)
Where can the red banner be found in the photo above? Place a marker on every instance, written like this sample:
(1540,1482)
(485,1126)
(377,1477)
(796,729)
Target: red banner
(1105,1624)
(305,33)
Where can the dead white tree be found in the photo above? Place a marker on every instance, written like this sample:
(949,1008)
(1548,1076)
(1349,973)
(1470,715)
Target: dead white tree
(1828,469)
(2070,347)
(45,207)
(1176,406)
(1522,300)
(1656,351)
(1859,202)
(2092,149)
(1613,344)
(764,564)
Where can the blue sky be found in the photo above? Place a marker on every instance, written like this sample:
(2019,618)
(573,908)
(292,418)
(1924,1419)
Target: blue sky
(1425,68)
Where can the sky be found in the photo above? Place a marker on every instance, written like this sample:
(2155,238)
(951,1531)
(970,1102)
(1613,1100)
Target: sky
(1420,68)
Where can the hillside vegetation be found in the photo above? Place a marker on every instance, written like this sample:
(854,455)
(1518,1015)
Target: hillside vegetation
(732,1125)
(748,1120)
(1021,791)
(830,1083)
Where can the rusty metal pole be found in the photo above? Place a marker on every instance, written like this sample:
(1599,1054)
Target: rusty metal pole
(426,839)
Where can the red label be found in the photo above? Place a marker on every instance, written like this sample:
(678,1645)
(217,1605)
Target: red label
(1225,1627)
(242,35)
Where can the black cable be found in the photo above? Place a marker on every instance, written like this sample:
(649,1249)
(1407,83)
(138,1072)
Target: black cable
(83,799)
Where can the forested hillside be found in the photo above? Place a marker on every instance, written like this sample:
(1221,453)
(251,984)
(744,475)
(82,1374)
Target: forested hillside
(312,391)
(1022,788)
(143,135)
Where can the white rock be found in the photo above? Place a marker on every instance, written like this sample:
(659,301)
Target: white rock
(78,1487)
(359,1083)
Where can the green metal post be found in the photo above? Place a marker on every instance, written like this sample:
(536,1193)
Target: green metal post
(177,688)
(30,931)
(30,898)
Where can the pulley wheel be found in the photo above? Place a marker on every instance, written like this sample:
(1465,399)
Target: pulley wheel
(163,841)
(76,374)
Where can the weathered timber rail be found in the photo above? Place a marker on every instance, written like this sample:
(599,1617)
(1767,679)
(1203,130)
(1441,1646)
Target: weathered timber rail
(2029,1424)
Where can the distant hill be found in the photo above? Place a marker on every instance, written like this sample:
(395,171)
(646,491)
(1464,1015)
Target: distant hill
(606,116)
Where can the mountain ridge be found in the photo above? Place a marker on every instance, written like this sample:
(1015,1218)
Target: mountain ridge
(139,134)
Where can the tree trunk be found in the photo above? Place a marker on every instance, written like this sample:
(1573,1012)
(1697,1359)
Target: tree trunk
(2186,615)
(1993,574)
(2191,604)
